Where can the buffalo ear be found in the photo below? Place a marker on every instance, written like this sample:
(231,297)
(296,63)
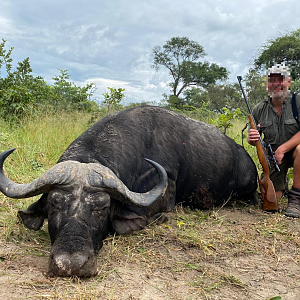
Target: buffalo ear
(33,217)
(33,221)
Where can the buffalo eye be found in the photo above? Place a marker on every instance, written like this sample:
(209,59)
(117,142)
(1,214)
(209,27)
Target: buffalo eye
(56,200)
(98,202)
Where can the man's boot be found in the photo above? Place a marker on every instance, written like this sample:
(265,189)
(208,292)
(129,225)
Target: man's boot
(293,209)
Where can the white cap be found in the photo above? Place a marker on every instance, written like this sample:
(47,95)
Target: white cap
(279,69)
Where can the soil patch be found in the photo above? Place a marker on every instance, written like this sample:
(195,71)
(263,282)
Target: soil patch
(231,253)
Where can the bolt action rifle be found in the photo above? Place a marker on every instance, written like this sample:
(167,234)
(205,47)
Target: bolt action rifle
(265,184)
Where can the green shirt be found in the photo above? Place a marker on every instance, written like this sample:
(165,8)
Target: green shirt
(276,129)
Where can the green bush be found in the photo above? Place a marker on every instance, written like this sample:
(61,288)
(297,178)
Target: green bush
(22,94)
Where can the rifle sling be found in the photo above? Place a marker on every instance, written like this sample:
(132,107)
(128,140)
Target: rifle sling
(294,108)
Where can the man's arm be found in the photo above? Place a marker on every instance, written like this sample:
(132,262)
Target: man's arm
(286,147)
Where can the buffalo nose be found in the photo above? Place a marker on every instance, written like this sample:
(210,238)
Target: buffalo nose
(67,262)
(75,264)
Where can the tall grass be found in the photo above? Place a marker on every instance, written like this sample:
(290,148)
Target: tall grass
(239,135)
(39,141)
(235,132)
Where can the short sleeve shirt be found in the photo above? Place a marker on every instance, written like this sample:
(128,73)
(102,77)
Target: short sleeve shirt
(276,129)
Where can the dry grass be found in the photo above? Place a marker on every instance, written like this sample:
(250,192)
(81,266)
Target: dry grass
(236,252)
(195,255)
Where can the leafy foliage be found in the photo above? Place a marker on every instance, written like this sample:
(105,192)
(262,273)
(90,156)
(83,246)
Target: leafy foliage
(255,87)
(295,86)
(225,120)
(19,88)
(67,95)
(213,97)
(180,56)
(113,98)
(283,49)
(21,93)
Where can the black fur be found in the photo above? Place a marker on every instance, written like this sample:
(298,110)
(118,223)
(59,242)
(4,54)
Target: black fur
(204,168)
(202,161)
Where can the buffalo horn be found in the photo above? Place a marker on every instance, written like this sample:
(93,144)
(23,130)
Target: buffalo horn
(118,190)
(66,173)
(62,173)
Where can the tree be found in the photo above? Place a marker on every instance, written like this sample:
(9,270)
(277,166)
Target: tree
(216,97)
(255,87)
(5,58)
(283,49)
(113,98)
(21,93)
(225,120)
(225,95)
(19,90)
(66,95)
(196,97)
(181,57)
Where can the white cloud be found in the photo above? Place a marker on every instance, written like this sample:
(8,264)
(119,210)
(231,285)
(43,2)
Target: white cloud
(132,92)
(4,25)
(111,41)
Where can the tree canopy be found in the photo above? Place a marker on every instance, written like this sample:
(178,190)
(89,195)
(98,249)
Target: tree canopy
(255,86)
(181,57)
(215,97)
(283,49)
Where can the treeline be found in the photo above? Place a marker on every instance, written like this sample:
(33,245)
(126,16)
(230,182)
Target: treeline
(216,97)
(196,86)
(21,93)
(199,84)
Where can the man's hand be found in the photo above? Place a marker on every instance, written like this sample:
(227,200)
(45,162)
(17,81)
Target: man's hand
(279,154)
(253,136)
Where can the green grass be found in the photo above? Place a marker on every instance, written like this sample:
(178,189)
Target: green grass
(39,142)
(190,244)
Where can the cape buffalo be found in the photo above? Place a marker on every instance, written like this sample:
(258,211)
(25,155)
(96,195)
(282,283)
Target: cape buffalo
(102,182)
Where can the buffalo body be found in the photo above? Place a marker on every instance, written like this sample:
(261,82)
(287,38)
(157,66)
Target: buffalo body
(102,182)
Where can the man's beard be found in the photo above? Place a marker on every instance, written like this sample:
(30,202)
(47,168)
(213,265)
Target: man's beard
(279,95)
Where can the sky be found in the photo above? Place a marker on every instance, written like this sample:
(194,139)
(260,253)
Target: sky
(110,42)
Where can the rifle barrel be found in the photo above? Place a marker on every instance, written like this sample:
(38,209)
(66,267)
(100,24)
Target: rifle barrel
(239,78)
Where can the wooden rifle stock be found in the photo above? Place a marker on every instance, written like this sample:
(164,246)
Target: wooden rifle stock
(265,184)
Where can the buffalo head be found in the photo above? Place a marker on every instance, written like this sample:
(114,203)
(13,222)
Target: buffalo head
(77,201)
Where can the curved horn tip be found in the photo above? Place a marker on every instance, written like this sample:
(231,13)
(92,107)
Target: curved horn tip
(157,166)
(152,162)
(6,153)
(147,159)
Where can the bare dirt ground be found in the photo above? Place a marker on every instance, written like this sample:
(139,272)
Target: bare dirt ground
(230,253)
